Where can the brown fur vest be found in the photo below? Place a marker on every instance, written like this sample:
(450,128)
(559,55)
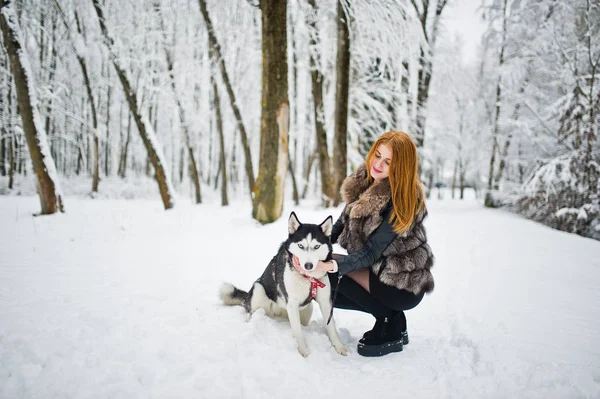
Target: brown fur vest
(407,261)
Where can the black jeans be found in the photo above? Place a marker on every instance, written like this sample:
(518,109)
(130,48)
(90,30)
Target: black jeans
(382,301)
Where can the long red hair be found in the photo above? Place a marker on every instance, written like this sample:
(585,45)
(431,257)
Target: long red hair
(407,194)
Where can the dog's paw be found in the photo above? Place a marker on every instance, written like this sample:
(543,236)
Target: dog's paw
(303,350)
(342,350)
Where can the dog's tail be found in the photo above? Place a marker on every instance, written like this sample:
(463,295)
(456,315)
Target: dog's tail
(231,295)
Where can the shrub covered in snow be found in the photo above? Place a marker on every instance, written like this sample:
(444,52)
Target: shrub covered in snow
(557,196)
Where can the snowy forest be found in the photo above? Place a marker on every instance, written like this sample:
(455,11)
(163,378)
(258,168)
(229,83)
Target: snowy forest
(152,150)
(267,100)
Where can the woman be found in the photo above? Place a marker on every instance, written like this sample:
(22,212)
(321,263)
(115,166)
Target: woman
(387,269)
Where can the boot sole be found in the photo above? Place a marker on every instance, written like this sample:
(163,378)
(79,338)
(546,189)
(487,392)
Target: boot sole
(379,350)
(405,339)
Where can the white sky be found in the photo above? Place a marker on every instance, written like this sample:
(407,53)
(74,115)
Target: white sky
(461,18)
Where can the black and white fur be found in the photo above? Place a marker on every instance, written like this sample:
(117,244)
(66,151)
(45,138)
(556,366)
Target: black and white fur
(283,292)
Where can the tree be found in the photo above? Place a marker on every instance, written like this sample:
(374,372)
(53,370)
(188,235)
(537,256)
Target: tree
(181,111)
(214,45)
(340,157)
(544,115)
(269,194)
(146,133)
(517,29)
(43,165)
(219,122)
(430,21)
(327,189)
(79,36)
(489,201)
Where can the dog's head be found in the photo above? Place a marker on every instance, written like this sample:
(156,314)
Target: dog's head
(309,242)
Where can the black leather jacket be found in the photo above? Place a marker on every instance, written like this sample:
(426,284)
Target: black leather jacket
(378,241)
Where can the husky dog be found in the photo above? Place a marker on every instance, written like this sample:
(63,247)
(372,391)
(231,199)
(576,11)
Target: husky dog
(287,291)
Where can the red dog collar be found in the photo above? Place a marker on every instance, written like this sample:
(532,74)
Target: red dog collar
(314,283)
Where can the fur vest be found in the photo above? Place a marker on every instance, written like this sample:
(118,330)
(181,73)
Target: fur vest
(406,262)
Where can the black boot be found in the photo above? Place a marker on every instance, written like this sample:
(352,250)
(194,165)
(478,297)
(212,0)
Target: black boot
(388,341)
(405,340)
(400,319)
(376,330)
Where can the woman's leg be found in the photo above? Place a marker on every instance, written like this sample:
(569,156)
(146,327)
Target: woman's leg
(361,277)
(398,301)
(374,295)
(351,295)
(394,298)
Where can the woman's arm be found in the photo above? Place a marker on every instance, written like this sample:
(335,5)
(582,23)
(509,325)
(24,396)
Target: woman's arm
(337,229)
(378,241)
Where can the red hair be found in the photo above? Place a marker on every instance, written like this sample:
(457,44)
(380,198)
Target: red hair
(407,194)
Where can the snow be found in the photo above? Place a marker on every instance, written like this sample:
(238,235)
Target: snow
(118,298)
(549,176)
(566,211)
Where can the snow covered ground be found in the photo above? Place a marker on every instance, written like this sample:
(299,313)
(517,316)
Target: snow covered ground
(118,298)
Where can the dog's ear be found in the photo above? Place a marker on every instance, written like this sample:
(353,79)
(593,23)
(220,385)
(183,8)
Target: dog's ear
(293,223)
(327,226)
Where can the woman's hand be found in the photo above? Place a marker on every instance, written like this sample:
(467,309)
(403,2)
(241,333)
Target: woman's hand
(328,267)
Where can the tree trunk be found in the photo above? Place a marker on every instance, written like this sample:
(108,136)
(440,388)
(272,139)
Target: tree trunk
(219,122)
(294,68)
(327,194)
(454,176)
(80,160)
(151,143)
(424,76)
(521,167)
(294,105)
(7,130)
(461,174)
(504,153)
(19,162)
(295,196)
(430,183)
(90,95)
(3,150)
(273,165)
(182,117)
(124,151)
(195,175)
(107,143)
(11,163)
(233,170)
(211,129)
(52,71)
(181,160)
(310,162)
(489,200)
(47,178)
(3,128)
(340,157)
(214,45)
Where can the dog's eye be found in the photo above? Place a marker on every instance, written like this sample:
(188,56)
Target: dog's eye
(300,246)
(317,246)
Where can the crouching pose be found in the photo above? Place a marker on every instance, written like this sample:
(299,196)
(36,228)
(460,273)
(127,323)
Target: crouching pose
(387,269)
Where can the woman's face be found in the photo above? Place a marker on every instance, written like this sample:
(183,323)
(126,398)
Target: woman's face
(380,163)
